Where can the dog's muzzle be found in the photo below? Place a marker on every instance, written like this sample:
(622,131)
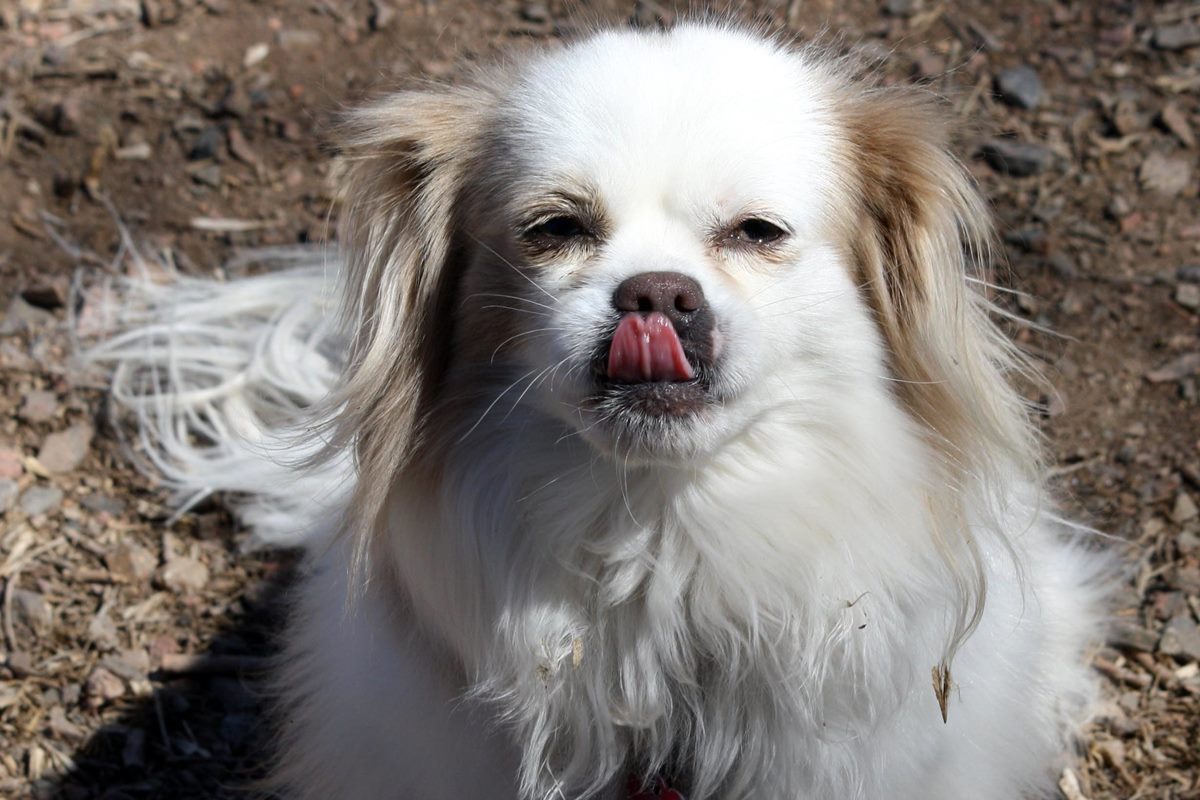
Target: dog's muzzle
(665,327)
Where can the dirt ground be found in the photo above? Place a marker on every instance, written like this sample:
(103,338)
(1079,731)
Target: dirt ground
(131,644)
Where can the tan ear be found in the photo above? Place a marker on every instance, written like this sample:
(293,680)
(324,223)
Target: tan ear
(920,240)
(404,168)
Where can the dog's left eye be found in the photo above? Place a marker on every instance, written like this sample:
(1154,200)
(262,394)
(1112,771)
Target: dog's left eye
(755,230)
(558,228)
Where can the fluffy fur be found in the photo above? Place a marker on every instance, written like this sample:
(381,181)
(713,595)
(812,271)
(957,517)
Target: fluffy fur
(526,585)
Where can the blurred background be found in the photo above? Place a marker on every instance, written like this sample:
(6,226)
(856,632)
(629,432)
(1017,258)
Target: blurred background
(131,644)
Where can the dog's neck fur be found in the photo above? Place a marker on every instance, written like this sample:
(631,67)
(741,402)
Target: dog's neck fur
(695,618)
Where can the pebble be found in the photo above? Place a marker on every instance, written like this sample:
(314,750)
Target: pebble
(102,686)
(23,316)
(65,450)
(903,8)
(1189,273)
(1188,295)
(38,405)
(1175,121)
(207,144)
(296,38)
(1020,86)
(1019,159)
(11,466)
(382,15)
(1177,37)
(1131,636)
(102,503)
(1165,175)
(102,631)
(1184,509)
(9,489)
(183,575)
(209,175)
(41,500)
(65,117)
(32,609)
(1181,637)
(130,563)
(61,726)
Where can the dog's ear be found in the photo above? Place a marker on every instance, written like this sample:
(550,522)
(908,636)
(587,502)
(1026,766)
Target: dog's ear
(920,238)
(404,174)
(920,241)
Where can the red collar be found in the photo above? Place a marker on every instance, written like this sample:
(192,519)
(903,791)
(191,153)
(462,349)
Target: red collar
(657,790)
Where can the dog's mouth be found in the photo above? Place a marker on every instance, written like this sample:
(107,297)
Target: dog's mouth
(645,368)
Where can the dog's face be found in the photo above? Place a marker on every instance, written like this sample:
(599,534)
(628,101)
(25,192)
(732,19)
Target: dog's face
(662,228)
(658,240)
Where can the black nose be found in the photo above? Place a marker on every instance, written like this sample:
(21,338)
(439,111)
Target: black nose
(672,293)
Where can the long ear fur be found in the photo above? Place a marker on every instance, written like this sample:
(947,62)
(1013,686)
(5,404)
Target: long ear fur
(920,242)
(405,162)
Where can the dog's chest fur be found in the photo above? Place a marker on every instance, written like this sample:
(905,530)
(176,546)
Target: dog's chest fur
(694,622)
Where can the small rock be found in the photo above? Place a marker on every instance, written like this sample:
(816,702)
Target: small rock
(1185,508)
(235,102)
(65,117)
(1165,175)
(130,666)
(22,316)
(209,175)
(130,563)
(65,450)
(207,144)
(183,575)
(1118,207)
(1176,122)
(102,686)
(1019,86)
(60,726)
(32,609)
(11,463)
(902,8)
(240,148)
(1131,636)
(1189,273)
(1019,159)
(382,16)
(1188,543)
(102,632)
(21,663)
(1176,369)
(9,489)
(48,294)
(535,11)
(1181,638)
(255,54)
(1187,579)
(297,38)
(1177,37)
(1188,295)
(103,504)
(38,406)
(41,500)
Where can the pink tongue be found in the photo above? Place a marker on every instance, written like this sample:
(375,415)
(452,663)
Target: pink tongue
(647,349)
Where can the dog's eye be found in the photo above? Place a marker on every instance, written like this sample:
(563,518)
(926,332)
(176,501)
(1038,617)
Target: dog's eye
(757,231)
(561,227)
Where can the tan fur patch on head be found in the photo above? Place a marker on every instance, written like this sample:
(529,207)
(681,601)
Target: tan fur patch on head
(919,238)
(407,162)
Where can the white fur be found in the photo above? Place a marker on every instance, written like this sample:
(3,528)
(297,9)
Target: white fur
(755,596)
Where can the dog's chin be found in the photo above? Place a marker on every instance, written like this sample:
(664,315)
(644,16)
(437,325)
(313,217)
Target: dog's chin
(652,422)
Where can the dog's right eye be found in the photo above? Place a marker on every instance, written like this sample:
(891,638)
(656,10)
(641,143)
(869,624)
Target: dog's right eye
(558,228)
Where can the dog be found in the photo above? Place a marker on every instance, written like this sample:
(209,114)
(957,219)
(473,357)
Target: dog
(665,444)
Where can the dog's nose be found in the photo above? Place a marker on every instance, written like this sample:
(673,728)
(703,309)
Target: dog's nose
(671,293)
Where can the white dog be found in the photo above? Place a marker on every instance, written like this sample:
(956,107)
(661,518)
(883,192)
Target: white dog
(670,450)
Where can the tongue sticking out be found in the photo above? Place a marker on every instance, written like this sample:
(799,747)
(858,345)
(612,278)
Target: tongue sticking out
(647,349)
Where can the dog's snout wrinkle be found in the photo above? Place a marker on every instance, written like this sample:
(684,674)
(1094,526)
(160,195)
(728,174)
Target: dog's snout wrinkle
(671,293)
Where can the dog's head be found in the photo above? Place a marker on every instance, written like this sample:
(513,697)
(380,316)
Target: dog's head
(659,240)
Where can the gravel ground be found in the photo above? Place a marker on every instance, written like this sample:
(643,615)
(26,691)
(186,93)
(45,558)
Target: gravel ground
(131,642)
